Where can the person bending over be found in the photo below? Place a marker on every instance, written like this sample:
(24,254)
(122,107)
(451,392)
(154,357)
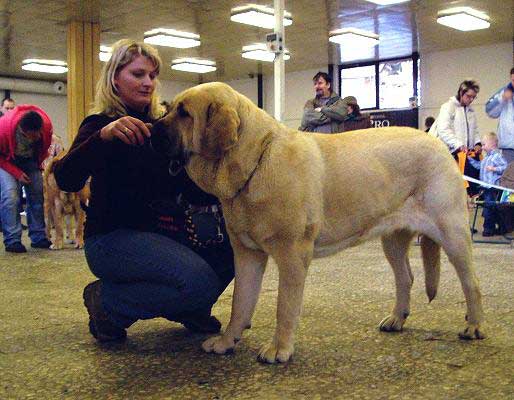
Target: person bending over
(142,274)
(25,135)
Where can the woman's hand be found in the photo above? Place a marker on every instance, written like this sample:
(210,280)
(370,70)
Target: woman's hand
(128,129)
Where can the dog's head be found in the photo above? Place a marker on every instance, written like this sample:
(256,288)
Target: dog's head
(202,121)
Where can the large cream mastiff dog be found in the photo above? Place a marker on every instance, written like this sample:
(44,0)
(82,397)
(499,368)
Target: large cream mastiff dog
(294,196)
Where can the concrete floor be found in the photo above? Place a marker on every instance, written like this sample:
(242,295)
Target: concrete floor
(46,351)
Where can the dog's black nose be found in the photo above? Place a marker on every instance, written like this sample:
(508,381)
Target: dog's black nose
(159,139)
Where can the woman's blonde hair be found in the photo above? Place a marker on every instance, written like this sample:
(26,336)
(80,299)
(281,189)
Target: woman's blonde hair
(124,51)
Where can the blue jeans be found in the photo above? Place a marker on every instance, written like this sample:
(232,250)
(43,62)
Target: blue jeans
(491,212)
(10,199)
(146,275)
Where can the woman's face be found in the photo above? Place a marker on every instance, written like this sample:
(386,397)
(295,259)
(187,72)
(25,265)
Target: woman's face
(467,97)
(135,83)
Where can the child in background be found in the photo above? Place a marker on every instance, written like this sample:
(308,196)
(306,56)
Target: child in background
(491,168)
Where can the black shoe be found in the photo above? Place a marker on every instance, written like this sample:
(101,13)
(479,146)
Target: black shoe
(199,322)
(488,233)
(42,244)
(24,227)
(16,248)
(100,326)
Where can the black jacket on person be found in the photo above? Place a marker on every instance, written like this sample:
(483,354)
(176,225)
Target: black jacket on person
(125,179)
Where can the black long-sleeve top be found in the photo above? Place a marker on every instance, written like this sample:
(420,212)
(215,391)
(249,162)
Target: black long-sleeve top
(125,179)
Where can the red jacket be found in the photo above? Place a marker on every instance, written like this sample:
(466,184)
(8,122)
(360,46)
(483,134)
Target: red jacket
(8,124)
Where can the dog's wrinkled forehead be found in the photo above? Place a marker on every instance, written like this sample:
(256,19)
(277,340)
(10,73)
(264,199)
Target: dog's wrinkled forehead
(202,96)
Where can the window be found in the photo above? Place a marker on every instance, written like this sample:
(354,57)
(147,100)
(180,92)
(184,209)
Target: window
(386,84)
(396,87)
(360,82)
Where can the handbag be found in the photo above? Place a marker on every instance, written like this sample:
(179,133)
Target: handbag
(198,227)
(205,226)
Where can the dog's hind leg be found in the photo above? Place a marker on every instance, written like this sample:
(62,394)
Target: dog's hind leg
(49,218)
(249,270)
(456,243)
(57,244)
(80,217)
(70,237)
(396,248)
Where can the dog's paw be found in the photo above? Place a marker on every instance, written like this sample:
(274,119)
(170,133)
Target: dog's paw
(272,354)
(79,245)
(391,323)
(471,332)
(56,246)
(219,344)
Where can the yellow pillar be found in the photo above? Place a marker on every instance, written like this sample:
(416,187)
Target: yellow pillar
(83,42)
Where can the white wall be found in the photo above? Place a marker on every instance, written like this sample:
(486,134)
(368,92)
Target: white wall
(249,87)
(169,89)
(442,72)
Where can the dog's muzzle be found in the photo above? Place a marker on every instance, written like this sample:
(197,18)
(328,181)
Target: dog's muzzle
(170,148)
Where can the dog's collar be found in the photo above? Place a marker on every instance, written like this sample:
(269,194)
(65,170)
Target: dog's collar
(238,191)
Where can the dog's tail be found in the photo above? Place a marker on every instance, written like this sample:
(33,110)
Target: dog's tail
(431,254)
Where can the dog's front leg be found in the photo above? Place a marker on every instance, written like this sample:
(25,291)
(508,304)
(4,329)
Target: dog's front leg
(249,270)
(293,264)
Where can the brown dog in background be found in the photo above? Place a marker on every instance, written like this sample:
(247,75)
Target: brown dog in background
(59,204)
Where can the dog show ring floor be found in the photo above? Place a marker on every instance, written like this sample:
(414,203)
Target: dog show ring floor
(46,351)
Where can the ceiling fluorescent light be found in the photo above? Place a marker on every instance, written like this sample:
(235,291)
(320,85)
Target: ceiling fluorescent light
(387,2)
(260,52)
(353,37)
(463,19)
(257,15)
(193,65)
(172,38)
(49,66)
(105,53)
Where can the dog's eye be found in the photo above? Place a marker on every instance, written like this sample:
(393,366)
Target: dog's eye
(181,111)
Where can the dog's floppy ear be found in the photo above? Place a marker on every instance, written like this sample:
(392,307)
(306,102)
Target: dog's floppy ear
(220,133)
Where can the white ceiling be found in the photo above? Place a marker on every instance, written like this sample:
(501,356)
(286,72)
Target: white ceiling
(37,29)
